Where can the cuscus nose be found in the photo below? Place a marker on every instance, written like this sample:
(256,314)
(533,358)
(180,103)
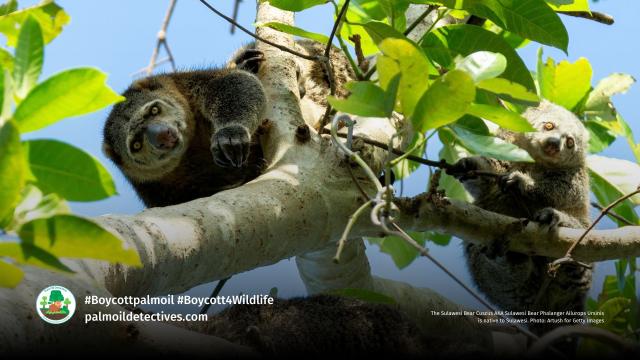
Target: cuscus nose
(161,136)
(551,146)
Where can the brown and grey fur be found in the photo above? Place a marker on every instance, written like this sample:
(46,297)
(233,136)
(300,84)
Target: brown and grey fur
(554,191)
(313,81)
(323,325)
(213,113)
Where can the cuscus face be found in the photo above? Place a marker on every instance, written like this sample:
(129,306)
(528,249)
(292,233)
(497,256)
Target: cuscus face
(146,134)
(560,138)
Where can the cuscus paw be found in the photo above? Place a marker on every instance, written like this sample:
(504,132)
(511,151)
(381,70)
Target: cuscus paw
(511,182)
(464,168)
(230,146)
(249,60)
(548,217)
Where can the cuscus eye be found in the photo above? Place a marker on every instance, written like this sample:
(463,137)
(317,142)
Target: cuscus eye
(570,143)
(136,146)
(549,126)
(155,110)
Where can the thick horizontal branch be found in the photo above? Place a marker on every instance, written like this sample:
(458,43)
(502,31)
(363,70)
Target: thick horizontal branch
(593,15)
(477,225)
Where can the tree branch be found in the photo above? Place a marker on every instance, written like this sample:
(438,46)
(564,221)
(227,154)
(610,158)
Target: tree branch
(480,226)
(593,15)
(162,41)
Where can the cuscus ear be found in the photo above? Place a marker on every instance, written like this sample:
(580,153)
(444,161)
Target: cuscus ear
(148,83)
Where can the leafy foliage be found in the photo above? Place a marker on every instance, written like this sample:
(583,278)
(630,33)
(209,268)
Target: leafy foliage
(37,176)
(460,80)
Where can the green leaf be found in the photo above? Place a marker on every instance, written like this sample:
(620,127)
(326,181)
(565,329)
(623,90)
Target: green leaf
(13,170)
(395,11)
(69,93)
(2,97)
(380,31)
(598,104)
(364,295)
(68,171)
(401,253)
(600,137)
(404,57)
(293,30)
(445,101)
(507,89)
(624,175)
(52,19)
(613,84)
(6,59)
(569,5)
(69,236)
(438,238)
(628,134)
(501,116)
(606,193)
(491,146)
(615,311)
(296,5)
(32,255)
(532,19)
(447,42)
(36,205)
(483,65)
(29,57)
(473,124)
(366,99)
(6,95)
(404,168)
(10,275)
(452,151)
(361,12)
(8,7)
(565,84)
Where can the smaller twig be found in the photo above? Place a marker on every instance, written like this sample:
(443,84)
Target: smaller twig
(606,337)
(162,41)
(394,150)
(408,153)
(328,67)
(336,25)
(248,32)
(568,257)
(439,164)
(345,234)
(214,294)
(358,185)
(158,63)
(593,15)
(363,63)
(612,214)
(345,50)
(170,55)
(236,7)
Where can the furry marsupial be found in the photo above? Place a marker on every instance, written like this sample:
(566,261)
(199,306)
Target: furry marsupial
(553,191)
(189,134)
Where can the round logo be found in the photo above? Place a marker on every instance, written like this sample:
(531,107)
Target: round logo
(55,304)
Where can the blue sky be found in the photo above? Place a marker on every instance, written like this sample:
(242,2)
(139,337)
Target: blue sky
(118,37)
